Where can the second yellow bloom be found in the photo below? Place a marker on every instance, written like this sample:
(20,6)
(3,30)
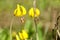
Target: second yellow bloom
(34,12)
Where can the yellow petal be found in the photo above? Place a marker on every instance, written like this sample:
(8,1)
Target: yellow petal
(17,37)
(31,12)
(17,11)
(21,36)
(18,6)
(23,10)
(37,12)
(25,35)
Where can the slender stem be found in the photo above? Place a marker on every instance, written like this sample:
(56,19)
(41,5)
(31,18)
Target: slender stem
(36,30)
(11,28)
(34,4)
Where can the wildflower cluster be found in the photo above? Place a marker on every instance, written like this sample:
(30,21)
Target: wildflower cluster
(21,11)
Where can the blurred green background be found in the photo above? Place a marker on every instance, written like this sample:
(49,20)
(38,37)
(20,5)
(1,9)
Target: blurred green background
(49,12)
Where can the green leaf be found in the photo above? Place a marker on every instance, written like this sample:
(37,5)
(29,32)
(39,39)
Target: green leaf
(27,25)
(40,31)
(4,34)
(3,38)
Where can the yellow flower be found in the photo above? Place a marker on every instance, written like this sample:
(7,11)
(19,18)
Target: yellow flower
(19,11)
(23,35)
(34,13)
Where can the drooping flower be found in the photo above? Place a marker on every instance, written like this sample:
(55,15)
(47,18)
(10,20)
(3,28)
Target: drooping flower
(20,11)
(34,12)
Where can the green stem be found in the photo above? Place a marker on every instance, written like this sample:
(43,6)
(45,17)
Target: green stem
(11,28)
(36,30)
(34,4)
